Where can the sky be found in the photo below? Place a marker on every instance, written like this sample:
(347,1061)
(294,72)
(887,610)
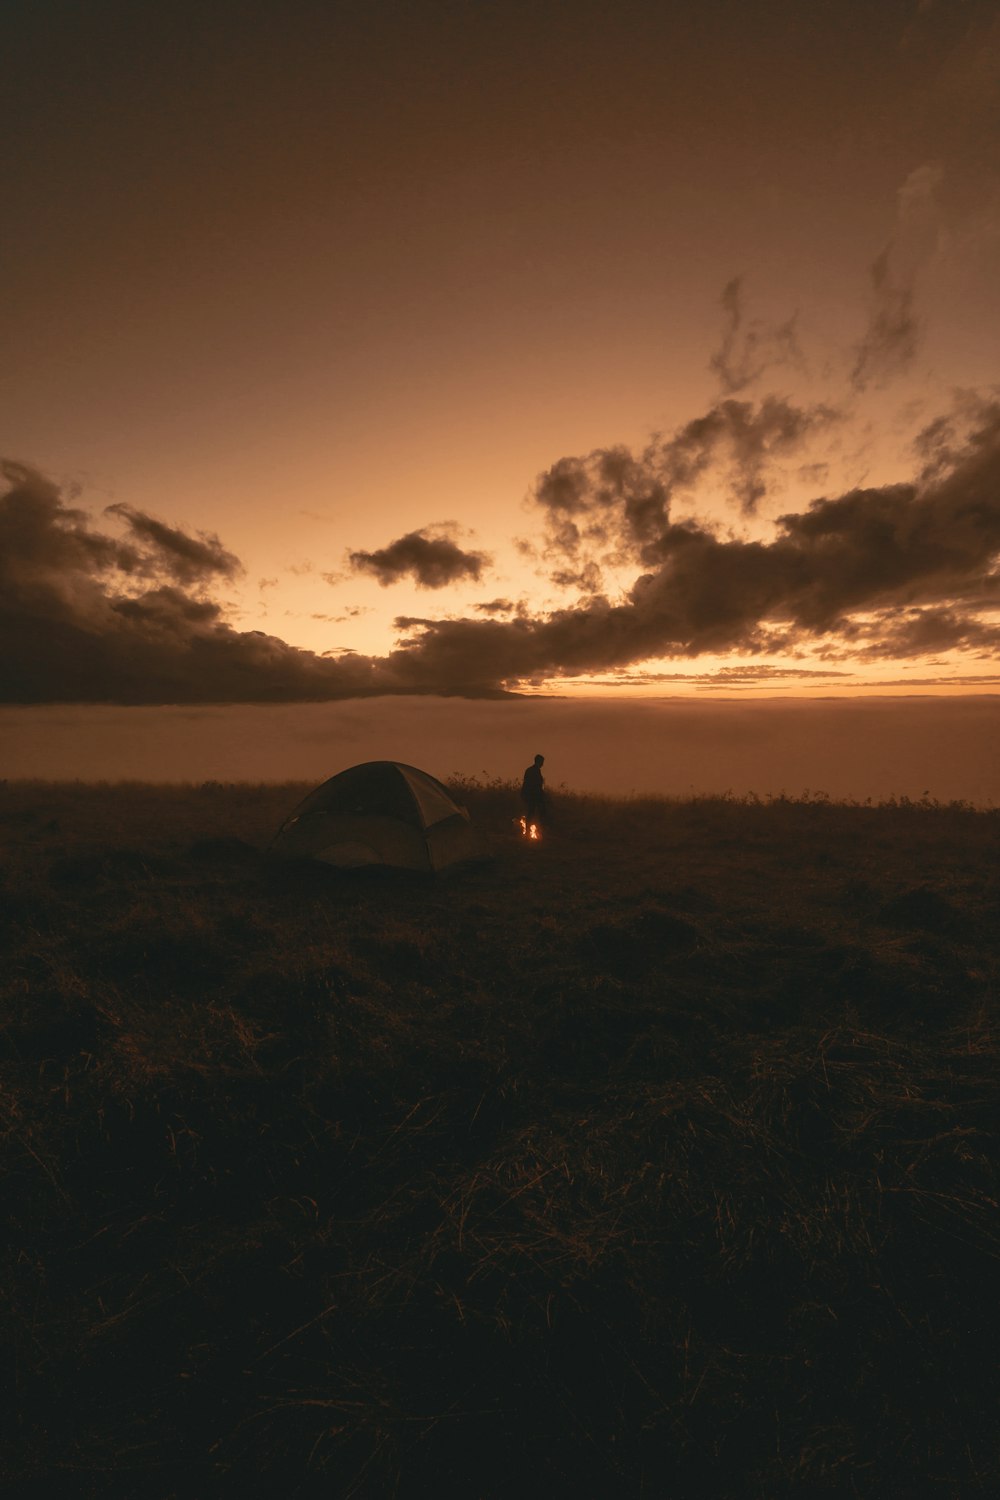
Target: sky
(564,349)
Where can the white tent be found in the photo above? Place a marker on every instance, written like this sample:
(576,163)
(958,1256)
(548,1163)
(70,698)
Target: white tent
(381,813)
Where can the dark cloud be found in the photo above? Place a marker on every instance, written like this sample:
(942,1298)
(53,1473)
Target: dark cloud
(406,623)
(812,474)
(587,578)
(610,501)
(187,559)
(923,632)
(890,341)
(431,561)
(748,349)
(166,609)
(39,535)
(495,607)
(751,437)
(942,442)
(889,344)
(617,505)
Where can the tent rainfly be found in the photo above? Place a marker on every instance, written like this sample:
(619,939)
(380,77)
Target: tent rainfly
(381,813)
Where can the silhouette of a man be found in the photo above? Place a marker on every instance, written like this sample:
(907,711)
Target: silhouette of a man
(533,791)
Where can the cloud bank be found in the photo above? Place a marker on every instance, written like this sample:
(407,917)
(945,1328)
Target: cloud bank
(899,569)
(91,618)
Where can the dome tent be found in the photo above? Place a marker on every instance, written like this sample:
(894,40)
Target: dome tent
(381,813)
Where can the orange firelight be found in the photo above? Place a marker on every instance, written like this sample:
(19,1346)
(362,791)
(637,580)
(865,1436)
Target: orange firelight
(530,830)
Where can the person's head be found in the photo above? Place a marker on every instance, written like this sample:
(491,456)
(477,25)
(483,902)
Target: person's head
(539,760)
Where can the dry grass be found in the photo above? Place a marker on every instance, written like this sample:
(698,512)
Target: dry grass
(660,1159)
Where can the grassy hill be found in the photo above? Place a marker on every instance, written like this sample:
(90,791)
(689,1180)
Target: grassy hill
(659,1159)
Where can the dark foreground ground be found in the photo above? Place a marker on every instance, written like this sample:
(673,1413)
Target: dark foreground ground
(656,1161)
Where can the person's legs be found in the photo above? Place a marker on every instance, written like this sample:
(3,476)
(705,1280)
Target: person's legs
(535,813)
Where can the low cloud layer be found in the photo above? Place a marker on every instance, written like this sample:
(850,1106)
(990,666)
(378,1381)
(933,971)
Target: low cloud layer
(897,571)
(432,561)
(661,744)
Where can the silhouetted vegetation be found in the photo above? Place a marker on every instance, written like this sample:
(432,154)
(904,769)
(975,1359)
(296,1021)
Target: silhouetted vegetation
(658,1159)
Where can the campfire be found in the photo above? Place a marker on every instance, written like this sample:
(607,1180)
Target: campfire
(530,830)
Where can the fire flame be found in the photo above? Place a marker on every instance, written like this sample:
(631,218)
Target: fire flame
(530,830)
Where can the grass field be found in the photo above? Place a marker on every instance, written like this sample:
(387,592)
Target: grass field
(656,1160)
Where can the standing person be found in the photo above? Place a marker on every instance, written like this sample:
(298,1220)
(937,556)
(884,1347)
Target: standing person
(533,792)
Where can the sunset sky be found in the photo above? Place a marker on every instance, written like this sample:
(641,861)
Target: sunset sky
(363,348)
